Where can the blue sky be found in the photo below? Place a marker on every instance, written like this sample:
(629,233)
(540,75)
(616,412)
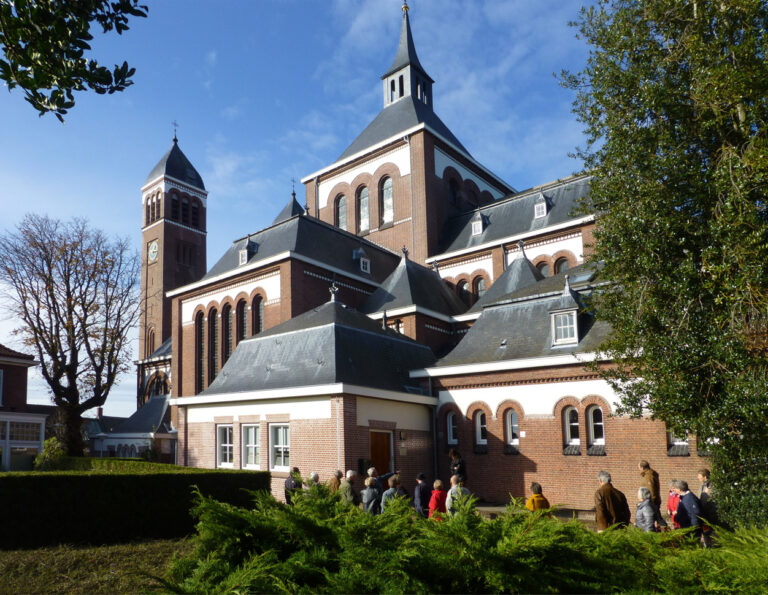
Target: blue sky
(269,90)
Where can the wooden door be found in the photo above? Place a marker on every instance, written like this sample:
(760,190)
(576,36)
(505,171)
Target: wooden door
(381,451)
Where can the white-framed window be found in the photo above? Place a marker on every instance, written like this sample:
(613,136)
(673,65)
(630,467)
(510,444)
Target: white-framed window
(539,210)
(477,227)
(365,264)
(564,328)
(387,202)
(251,436)
(511,427)
(595,426)
(674,440)
(225,448)
(243,256)
(452,428)
(571,426)
(279,447)
(481,430)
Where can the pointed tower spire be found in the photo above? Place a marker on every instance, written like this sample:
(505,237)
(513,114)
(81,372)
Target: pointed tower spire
(406,50)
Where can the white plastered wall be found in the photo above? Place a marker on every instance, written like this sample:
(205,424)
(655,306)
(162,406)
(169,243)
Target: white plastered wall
(443,160)
(407,416)
(305,408)
(269,283)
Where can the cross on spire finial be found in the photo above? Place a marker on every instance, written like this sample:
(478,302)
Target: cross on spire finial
(405,251)
(334,289)
(293,188)
(175,125)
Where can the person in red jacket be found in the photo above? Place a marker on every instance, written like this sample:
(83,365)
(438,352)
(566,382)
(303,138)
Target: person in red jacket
(437,501)
(673,500)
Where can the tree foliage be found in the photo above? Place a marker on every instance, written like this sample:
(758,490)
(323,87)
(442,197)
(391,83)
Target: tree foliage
(44,44)
(74,291)
(675,102)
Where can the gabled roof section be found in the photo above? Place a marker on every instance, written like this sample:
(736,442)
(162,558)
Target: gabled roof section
(292,209)
(412,284)
(515,215)
(176,165)
(153,416)
(396,118)
(314,239)
(579,277)
(519,274)
(327,345)
(8,352)
(406,50)
(523,330)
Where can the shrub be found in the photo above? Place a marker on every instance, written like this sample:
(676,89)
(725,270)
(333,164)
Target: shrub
(113,506)
(52,455)
(322,545)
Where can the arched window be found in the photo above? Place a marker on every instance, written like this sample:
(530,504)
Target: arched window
(257,315)
(150,342)
(195,215)
(479,287)
(159,208)
(481,432)
(391,90)
(213,345)
(511,428)
(363,211)
(595,426)
(175,207)
(133,451)
(463,290)
(199,353)
(184,210)
(453,192)
(561,265)
(571,426)
(387,202)
(341,212)
(242,321)
(401,86)
(452,428)
(543,269)
(418,89)
(148,215)
(226,323)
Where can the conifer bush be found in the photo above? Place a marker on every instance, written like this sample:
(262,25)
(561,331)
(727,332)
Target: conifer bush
(322,545)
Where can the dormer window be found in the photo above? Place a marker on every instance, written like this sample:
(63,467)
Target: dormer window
(245,253)
(477,224)
(564,329)
(243,257)
(540,207)
(365,265)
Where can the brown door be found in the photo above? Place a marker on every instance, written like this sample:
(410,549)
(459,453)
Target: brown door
(381,452)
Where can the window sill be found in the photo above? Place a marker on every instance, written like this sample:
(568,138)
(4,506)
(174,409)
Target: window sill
(252,467)
(678,450)
(572,450)
(596,450)
(226,466)
(511,449)
(387,225)
(480,449)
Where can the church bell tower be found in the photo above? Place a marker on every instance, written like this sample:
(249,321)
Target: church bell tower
(174,205)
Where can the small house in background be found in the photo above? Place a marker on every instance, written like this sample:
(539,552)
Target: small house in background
(22,426)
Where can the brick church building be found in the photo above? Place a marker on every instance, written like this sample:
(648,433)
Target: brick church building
(415,303)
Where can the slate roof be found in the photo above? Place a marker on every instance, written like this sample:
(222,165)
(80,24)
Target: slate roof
(8,352)
(164,351)
(101,425)
(412,284)
(579,277)
(153,416)
(520,273)
(291,209)
(176,165)
(513,330)
(397,117)
(314,239)
(514,215)
(327,345)
(406,51)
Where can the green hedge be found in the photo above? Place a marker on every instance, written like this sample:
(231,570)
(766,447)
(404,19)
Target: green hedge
(123,500)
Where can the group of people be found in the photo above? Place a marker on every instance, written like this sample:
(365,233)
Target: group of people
(684,508)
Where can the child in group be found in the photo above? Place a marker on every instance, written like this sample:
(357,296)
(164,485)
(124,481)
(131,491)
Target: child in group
(673,500)
(437,501)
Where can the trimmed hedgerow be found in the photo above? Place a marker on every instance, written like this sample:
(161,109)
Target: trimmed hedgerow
(100,507)
(321,545)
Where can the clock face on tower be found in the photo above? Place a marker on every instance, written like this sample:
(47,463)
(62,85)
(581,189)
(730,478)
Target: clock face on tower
(153,250)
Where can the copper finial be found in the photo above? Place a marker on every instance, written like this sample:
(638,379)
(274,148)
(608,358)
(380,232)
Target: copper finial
(405,6)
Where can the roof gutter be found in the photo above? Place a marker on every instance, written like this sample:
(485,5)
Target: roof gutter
(517,364)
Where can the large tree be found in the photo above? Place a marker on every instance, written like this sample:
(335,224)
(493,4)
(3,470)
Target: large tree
(674,97)
(74,292)
(43,46)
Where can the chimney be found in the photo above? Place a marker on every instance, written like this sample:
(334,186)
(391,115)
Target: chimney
(99,412)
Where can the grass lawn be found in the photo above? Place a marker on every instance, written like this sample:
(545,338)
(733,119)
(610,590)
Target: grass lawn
(99,569)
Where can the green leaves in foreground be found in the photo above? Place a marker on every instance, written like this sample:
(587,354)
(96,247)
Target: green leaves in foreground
(321,545)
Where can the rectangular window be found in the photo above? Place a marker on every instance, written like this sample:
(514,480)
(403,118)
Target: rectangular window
(279,447)
(539,209)
(453,428)
(243,257)
(251,437)
(477,228)
(224,446)
(365,265)
(24,432)
(564,328)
